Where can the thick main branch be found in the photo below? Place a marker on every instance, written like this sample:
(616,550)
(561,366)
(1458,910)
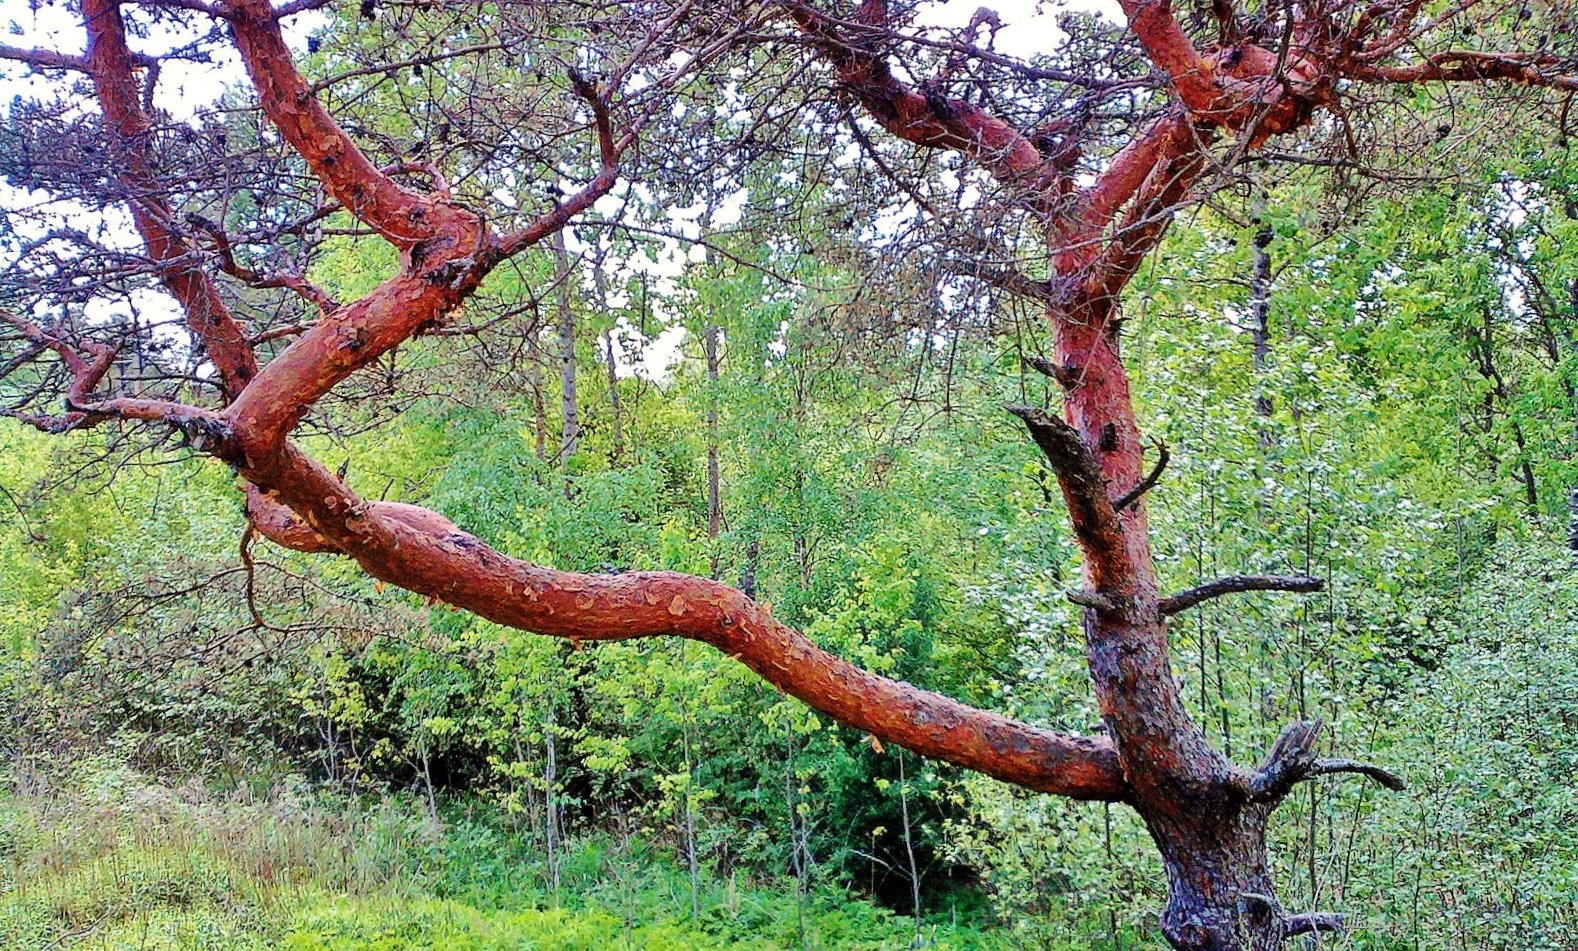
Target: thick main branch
(419,550)
(406,218)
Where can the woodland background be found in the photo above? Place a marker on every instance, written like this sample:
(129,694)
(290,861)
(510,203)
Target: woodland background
(354,768)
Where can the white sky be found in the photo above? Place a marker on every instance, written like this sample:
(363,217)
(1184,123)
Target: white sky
(1027,24)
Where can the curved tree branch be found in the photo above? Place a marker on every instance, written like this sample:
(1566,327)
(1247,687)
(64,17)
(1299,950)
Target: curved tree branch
(1233,584)
(87,362)
(298,503)
(927,117)
(1169,138)
(1292,760)
(1162,193)
(1314,922)
(404,217)
(1193,77)
(1149,482)
(1085,492)
(1387,778)
(43,59)
(422,552)
(609,149)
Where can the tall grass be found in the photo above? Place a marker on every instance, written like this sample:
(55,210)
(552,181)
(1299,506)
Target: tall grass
(101,856)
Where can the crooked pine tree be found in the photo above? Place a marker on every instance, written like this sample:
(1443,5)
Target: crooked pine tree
(1231,83)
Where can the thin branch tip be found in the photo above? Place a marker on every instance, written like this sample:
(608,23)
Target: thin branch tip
(1381,775)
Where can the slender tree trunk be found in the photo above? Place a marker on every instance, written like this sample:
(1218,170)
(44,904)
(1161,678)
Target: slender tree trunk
(427,782)
(539,406)
(714,497)
(909,851)
(1571,207)
(570,434)
(614,407)
(1260,323)
(550,778)
(799,835)
(692,857)
(611,364)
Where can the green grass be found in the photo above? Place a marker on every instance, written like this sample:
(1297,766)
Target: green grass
(109,859)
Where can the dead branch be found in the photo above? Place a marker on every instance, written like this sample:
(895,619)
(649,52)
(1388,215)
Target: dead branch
(1149,482)
(1233,584)
(1292,760)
